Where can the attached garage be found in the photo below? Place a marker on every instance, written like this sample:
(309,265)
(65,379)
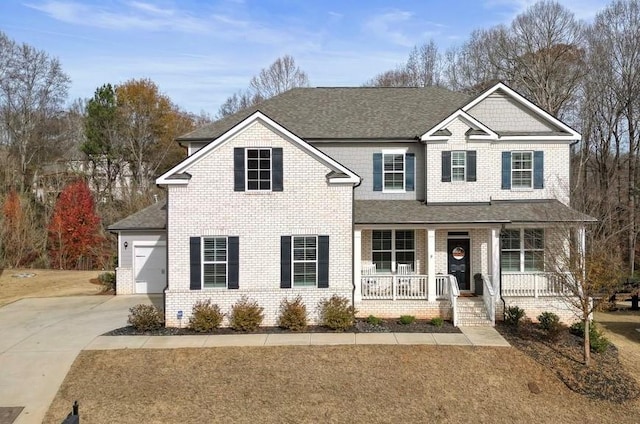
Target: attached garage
(142,251)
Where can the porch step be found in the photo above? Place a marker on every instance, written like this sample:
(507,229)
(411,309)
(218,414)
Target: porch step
(472,313)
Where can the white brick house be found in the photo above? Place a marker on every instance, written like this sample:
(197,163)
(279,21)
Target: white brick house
(399,199)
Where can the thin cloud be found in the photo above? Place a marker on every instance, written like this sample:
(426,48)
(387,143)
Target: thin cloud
(386,26)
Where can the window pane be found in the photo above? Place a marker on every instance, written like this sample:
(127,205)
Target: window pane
(215,275)
(534,239)
(252,164)
(381,240)
(252,153)
(511,239)
(394,181)
(406,258)
(265,153)
(265,185)
(457,174)
(382,261)
(405,240)
(511,261)
(521,179)
(457,158)
(534,261)
(252,185)
(304,274)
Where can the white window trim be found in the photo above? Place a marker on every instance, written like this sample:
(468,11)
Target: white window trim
(464,167)
(402,152)
(522,251)
(202,262)
(394,263)
(294,261)
(246,170)
(530,188)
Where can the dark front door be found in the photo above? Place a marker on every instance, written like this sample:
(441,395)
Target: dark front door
(459,259)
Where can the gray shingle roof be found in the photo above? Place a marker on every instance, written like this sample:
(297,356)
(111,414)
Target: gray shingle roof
(414,212)
(349,112)
(152,217)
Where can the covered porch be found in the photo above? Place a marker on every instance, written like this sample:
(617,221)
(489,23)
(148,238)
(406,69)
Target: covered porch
(411,258)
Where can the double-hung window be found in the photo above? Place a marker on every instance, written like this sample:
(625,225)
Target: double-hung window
(521,169)
(258,169)
(305,260)
(214,262)
(393,246)
(393,171)
(523,250)
(458,166)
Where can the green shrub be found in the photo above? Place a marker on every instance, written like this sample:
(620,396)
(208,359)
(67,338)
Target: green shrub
(407,319)
(514,315)
(597,341)
(108,280)
(336,313)
(550,323)
(144,317)
(373,320)
(245,315)
(293,314)
(205,316)
(437,321)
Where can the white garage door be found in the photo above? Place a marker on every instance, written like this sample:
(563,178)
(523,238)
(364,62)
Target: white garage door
(150,268)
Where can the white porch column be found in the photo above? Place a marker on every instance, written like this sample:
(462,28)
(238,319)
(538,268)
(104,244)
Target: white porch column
(357,265)
(431,264)
(495,258)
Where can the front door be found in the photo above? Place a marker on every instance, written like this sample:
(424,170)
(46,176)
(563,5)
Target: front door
(458,262)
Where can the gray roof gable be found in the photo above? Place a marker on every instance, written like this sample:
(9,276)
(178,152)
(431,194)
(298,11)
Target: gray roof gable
(348,112)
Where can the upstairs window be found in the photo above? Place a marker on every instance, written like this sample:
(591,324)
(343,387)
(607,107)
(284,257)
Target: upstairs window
(458,165)
(394,171)
(258,169)
(521,169)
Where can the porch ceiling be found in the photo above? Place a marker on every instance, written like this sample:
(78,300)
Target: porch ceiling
(495,212)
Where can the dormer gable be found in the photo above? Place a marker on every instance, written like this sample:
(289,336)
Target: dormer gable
(477,130)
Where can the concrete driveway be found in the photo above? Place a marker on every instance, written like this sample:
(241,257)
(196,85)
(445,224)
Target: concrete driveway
(40,339)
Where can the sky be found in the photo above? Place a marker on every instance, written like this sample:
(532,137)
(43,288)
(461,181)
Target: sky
(201,52)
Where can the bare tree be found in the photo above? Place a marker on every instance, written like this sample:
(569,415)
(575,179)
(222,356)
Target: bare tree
(394,78)
(425,65)
(280,76)
(33,88)
(584,276)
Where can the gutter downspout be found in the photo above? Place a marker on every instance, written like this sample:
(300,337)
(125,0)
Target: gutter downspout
(353,259)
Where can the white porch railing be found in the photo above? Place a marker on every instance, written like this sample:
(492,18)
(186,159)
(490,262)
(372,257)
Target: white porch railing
(532,284)
(489,296)
(394,287)
(452,291)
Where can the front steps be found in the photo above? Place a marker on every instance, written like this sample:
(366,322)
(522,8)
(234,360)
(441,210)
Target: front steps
(472,312)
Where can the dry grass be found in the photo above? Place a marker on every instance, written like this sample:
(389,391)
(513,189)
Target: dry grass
(620,327)
(357,384)
(46,283)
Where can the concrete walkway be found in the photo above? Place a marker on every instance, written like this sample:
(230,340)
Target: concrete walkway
(471,336)
(40,339)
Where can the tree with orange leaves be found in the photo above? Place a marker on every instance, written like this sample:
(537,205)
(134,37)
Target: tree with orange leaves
(74,229)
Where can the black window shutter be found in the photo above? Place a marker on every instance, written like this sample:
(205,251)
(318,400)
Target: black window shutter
(238,169)
(446,166)
(506,170)
(323,262)
(276,163)
(538,169)
(194,260)
(410,172)
(233,262)
(377,172)
(471,165)
(285,262)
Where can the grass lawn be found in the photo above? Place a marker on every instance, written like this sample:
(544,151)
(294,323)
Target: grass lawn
(341,384)
(45,283)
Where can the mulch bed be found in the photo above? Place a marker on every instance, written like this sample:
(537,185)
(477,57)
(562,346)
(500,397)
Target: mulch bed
(604,379)
(361,326)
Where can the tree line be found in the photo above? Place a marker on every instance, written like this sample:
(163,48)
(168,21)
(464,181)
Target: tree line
(119,140)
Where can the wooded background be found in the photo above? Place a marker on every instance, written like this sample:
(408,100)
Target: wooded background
(109,148)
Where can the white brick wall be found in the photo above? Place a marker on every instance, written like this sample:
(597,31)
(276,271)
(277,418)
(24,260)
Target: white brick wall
(393,309)
(208,206)
(124,281)
(489,166)
(535,306)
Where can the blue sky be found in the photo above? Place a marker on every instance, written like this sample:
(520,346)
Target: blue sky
(201,52)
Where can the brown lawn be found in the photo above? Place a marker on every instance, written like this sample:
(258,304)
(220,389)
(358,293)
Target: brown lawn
(311,384)
(45,283)
(621,328)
